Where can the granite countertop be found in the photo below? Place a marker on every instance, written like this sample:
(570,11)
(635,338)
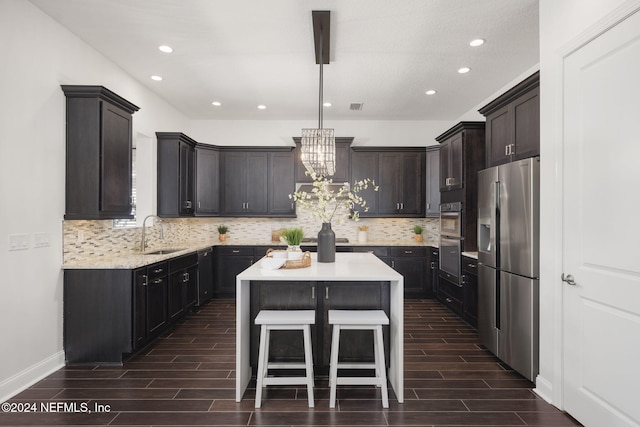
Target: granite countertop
(131,260)
(473,255)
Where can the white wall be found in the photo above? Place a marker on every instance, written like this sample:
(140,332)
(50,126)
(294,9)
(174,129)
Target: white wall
(278,133)
(38,56)
(560,23)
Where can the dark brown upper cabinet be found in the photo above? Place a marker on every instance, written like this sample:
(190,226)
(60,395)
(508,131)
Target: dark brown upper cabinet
(399,173)
(207,180)
(432,200)
(176,174)
(513,123)
(461,157)
(257,181)
(343,156)
(98,153)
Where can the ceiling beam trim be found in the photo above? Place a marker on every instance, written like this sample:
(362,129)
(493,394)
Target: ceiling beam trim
(322,31)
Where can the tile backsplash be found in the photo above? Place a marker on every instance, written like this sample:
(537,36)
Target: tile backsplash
(99,238)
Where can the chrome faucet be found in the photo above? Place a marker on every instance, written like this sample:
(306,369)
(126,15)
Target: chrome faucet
(143,243)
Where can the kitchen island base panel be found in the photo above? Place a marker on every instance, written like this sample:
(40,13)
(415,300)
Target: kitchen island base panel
(349,267)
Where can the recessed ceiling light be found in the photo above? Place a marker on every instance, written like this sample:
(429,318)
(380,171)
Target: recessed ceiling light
(327,104)
(464,70)
(156,78)
(262,107)
(476,42)
(431,92)
(166,49)
(216,103)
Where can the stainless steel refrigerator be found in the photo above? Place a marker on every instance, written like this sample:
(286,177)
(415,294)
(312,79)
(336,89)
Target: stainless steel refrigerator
(508,263)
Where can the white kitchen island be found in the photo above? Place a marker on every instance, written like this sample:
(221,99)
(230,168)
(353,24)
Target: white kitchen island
(351,267)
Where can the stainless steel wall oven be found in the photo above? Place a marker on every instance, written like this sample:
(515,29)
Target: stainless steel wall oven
(450,241)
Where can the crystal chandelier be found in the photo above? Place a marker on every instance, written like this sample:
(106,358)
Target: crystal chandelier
(318,151)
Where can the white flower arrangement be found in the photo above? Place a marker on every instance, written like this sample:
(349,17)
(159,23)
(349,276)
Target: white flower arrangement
(324,203)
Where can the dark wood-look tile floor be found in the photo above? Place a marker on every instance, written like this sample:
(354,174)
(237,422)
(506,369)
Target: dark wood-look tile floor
(187,377)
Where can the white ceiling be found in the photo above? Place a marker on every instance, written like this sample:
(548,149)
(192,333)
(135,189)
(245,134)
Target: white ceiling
(242,53)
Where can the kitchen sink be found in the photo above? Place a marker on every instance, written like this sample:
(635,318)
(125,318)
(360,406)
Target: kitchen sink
(163,251)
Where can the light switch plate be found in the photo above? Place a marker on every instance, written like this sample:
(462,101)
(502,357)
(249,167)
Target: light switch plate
(18,242)
(41,240)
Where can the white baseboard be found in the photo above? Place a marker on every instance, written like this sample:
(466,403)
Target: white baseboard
(544,389)
(26,378)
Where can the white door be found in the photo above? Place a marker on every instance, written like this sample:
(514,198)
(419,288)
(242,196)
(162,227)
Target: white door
(601,208)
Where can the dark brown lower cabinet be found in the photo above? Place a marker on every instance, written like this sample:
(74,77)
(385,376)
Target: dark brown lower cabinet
(470,290)
(411,262)
(150,313)
(110,313)
(321,297)
(462,298)
(229,262)
(183,285)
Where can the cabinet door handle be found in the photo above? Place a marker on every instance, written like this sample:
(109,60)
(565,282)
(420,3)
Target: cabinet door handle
(326,292)
(393,264)
(433,265)
(158,270)
(402,206)
(313,292)
(157,281)
(506,150)
(448,300)
(198,205)
(144,278)
(408,252)
(512,150)
(236,251)
(428,205)
(471,265)
(187,204)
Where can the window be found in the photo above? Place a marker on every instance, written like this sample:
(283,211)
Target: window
(122,223)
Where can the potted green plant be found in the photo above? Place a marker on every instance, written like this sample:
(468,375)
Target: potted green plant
(293,236)
(417,233)
(222,232)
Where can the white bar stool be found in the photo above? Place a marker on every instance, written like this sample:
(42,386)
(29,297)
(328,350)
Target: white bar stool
(358,320)
(282,320)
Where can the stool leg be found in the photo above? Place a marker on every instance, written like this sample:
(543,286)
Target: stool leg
(308,361)
(380,365)
(333,368)
(261,364)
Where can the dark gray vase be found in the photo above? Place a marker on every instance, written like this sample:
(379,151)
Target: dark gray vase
(326,244)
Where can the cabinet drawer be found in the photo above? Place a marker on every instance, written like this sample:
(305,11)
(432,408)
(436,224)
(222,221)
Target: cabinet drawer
(451,289)
(453,304)
(408,251)
(470,265)
(379,251)
(156,271)
(236,250)
(183,262)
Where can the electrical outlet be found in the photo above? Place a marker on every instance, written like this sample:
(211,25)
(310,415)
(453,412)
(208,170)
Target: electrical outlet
(18,242)
(41,240)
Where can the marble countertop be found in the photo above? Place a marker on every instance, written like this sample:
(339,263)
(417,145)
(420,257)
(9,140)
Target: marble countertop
(347,266)
(132,260)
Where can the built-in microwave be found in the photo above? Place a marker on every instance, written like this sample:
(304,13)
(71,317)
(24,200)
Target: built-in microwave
(451,219)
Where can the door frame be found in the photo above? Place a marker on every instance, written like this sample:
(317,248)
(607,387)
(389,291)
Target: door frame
(551,388)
